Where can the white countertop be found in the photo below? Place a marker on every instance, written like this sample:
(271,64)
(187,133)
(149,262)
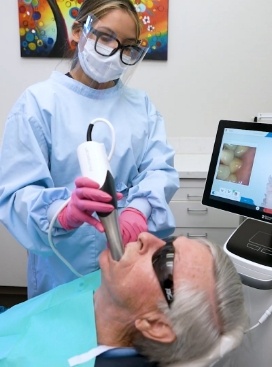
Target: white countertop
(193,154)
(192,165)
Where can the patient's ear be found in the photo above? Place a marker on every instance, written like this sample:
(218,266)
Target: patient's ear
(155,326)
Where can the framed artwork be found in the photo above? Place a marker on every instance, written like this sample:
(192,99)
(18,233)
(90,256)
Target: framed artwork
(45,27)
(154,17)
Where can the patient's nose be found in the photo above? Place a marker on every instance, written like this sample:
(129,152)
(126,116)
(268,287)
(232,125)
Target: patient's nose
(149,242)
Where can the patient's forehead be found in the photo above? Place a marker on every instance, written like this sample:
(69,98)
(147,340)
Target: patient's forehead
(194,264)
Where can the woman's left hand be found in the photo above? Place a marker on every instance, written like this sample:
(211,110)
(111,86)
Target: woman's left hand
(132,223)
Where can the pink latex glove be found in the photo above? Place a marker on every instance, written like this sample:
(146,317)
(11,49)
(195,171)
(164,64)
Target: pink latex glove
(132,222)
(85,199)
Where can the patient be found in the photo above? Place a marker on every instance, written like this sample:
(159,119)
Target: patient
(177,302)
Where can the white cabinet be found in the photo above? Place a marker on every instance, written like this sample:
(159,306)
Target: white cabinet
(13,261)
(196,220)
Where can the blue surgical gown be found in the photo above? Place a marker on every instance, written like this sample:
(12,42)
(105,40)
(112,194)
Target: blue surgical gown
(39,164)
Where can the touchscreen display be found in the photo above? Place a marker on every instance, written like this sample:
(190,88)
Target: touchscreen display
(239,179)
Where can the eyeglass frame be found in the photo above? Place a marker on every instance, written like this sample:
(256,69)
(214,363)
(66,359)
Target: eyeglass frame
(121,47)
(166,284)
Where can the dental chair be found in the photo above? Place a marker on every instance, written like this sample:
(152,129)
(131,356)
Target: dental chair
(126,357)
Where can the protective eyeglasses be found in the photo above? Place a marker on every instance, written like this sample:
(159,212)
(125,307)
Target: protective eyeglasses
(107,45)
(163,263)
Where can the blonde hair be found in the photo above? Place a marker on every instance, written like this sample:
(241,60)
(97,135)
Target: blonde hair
(100,8)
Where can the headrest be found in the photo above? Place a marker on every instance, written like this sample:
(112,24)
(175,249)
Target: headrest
(225,344)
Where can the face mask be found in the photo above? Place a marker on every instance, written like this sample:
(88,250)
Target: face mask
(100,68)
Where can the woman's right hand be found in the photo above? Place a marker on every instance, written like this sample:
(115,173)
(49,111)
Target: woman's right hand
(85,199)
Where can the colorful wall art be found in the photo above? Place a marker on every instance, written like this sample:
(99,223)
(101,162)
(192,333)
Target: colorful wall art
(154,18)
(45,27)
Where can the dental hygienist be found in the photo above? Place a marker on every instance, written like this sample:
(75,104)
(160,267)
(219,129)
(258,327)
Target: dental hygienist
(39,168)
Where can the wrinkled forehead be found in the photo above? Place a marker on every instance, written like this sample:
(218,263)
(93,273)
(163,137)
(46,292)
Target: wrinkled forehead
(194,264)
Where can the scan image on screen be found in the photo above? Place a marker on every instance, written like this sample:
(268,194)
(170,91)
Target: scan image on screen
(236,163)
(239,179)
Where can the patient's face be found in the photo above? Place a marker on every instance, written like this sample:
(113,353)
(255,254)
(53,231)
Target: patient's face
(131,282)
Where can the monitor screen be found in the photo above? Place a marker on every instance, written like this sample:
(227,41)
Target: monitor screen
(239,178)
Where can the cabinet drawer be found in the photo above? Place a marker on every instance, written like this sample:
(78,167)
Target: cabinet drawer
(191,190)
(193,214)
(216,235)
(189,194)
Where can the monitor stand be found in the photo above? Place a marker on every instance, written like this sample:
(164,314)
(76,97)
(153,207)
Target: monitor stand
(250,248)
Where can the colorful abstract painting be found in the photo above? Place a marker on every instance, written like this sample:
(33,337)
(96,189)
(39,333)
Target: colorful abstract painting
(154,18)
(45,27)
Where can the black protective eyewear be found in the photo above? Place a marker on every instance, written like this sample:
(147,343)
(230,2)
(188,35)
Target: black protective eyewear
(163,263)
(107,45)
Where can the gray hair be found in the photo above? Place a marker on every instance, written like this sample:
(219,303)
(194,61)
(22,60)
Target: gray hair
(192,319)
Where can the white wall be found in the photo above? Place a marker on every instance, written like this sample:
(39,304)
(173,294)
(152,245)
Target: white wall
(219,65)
